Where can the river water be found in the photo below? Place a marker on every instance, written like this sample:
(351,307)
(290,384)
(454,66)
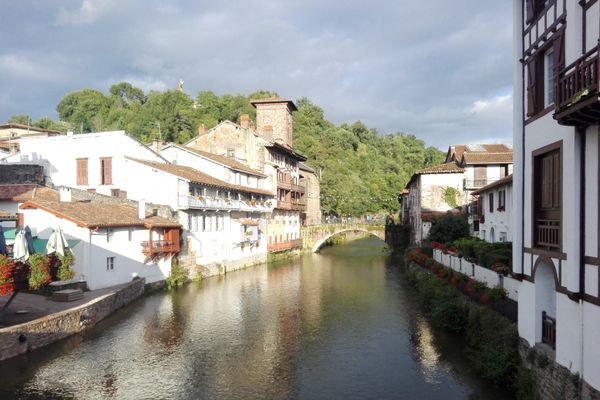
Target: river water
(335,325)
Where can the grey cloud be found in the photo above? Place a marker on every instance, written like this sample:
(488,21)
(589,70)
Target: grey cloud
(411,66)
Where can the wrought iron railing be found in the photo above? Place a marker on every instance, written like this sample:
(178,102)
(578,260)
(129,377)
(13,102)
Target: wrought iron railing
(548,330)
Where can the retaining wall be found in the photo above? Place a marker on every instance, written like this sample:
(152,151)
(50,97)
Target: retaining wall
(479,273)
(19,339)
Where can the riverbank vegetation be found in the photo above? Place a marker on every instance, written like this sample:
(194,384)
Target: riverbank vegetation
(361,171)
(455,302)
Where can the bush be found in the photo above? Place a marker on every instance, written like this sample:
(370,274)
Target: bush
(177,276)
(7,282)
(39,271)
(448,228)
(65,270)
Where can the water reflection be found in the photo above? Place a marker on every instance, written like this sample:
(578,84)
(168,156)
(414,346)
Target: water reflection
(338,324)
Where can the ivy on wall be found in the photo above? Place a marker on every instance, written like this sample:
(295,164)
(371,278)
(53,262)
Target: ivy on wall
(451,196)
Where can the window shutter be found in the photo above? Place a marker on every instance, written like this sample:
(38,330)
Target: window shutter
(556,180)
(491,200)
(531,88)
(547,172)
(480,208)
(529,10)
(82,171)
(108,171)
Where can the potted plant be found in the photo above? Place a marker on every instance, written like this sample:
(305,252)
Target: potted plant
(39,271)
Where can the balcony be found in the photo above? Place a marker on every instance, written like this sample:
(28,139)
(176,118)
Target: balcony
(214,203)
(471,184)
(283,246)
(577,97)
(285,205)
(284,184)
(297,188)
(152,247)
(298,205)
(547,234)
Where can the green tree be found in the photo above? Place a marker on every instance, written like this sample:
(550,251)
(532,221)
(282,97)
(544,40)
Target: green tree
(85,109)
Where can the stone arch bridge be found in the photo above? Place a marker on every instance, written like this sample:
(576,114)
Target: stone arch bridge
(313,237)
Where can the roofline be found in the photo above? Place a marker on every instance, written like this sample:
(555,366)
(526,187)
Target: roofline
(271,100)
(299,156)
(31,204)
(191,151)
(507,180)
(13,125)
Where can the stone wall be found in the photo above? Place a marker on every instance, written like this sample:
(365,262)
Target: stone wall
(397,237)
(21,174)
(19,339)
(551,380)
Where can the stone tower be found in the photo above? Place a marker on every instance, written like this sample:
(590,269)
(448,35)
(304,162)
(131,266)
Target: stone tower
(274,119)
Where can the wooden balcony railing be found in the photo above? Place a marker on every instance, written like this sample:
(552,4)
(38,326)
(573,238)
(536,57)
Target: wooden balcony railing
(577,84)
(548,234)
(478,183)
(159,246)
(548,330)
(286,205)
(289,245)
(297,188)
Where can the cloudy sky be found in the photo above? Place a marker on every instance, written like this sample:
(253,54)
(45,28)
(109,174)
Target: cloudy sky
(439,69)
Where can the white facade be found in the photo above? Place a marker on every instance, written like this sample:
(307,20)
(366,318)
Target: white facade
(556,171)
(102,259)
(496,218)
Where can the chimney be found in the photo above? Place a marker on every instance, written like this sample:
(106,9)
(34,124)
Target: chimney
(142,209)
(157,146)
(64,195)
(201,130)
(268,132)
(245,121)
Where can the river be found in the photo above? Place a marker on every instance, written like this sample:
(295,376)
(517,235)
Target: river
(340,324)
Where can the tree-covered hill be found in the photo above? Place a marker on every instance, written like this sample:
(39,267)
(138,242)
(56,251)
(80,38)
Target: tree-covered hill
(360,170)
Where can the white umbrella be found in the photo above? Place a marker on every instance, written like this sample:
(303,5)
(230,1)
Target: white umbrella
(57,243)
(20,250)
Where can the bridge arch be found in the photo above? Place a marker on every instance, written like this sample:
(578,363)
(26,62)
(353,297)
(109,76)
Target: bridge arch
(319,242)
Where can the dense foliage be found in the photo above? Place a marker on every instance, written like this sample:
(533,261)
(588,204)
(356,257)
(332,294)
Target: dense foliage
(489,255)
(492,340)
(360,170)
(65,269)
(39,271)
(7,282)
(449,228)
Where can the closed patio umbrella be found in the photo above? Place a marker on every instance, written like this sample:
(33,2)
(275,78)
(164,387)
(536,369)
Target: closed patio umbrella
(29,240)
(20,250)
(57,243)
(2,241)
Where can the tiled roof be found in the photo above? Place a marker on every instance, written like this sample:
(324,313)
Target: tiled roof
(459,149)
(97,215)
(507,180)
(447,168)
(196,176)
(487,158)
(32,129)
(24,192)
(229,162)
(305,167)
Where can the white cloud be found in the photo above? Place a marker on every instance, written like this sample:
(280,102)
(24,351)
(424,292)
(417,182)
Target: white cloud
(87,12)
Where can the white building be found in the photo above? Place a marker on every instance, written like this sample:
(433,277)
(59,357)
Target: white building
(495,211)
(430,193)
(221,219)
(556,144)
(114,243)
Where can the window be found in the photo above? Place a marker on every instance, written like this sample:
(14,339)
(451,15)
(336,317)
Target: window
(548,77)
(110,263)
(491,200)
(541,70)
(547,193)
(106,171)
(109,234)
(115,193)
(503,237)
(82,171)
(501,200)
(534,9)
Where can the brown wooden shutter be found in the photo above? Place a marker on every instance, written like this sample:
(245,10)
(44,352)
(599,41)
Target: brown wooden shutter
(480,208)
(106,170)
(531,88)
(82,171)
(547,189)
(556,180)
(529,10)
(491,200)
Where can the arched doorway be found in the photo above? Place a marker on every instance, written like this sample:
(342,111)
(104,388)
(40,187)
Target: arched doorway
(492,236)
(545,301)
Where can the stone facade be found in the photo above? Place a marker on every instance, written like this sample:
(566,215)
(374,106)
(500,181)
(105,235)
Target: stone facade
(21,174)
(552,380)
(274,121)
(20,339)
